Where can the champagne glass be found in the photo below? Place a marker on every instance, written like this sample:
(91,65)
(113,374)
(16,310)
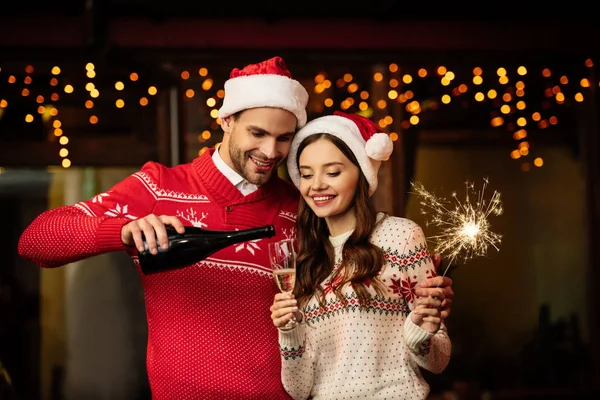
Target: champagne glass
(283,261)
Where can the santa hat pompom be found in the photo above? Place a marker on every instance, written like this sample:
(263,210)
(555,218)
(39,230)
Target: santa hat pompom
(379,147)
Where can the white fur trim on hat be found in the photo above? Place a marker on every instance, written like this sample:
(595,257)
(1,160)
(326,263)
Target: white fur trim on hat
(346,130)
(265,90)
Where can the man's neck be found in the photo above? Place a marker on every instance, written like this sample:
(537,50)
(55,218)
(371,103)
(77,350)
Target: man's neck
(224,155)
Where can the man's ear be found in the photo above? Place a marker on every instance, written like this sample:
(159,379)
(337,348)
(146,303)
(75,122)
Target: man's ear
(227,124)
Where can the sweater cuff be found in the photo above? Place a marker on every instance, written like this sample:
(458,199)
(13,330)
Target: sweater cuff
(108,234)
(293,338)
(414,335)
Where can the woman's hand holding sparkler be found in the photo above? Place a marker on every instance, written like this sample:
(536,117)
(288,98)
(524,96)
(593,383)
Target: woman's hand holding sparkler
(431,287)
(427,313)
(434,301)
(439,287)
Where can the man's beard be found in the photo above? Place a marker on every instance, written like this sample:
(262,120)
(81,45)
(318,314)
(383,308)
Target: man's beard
(240,164)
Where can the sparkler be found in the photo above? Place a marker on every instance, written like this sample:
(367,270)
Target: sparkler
(464,229)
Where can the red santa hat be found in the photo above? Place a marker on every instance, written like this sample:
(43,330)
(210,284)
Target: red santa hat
(266,84)
(361,135)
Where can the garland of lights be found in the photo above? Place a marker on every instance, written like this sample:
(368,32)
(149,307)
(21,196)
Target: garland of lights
(510,112)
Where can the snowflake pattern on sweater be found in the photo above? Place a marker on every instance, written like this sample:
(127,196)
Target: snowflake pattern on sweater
(202,319)
(343,351)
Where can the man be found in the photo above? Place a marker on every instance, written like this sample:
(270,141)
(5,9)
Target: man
(209,330)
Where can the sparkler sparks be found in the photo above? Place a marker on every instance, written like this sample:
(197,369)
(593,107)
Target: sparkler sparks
(464,229)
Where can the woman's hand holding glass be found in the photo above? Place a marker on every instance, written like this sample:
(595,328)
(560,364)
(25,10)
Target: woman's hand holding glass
(284,311)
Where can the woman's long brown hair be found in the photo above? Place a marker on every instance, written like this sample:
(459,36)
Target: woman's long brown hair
(361,260)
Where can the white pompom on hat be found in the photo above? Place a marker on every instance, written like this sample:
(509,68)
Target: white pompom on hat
(266,84)
(370,147)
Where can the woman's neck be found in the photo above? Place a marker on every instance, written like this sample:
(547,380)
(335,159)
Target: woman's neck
(341,223)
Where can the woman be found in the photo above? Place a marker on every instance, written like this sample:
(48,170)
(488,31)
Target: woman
(364,333)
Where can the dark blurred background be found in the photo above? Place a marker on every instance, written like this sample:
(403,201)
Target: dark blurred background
(90,90)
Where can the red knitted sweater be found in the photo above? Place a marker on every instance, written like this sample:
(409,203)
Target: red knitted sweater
(210,334)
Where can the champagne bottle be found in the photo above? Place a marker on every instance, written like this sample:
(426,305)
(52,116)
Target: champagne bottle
(195,245)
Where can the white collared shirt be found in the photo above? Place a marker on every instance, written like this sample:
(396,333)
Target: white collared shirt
(236,179)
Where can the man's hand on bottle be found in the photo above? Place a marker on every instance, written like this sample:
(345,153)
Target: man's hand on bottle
(153,228)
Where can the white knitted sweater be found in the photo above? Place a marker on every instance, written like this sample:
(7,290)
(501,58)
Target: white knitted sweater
(343,352)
